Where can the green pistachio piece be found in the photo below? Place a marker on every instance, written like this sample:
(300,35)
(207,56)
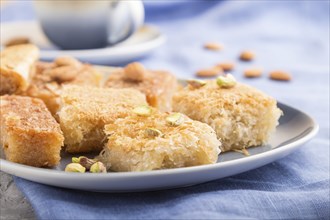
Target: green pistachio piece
(153,132)
(75,167)
(75,159)
(226,81)
(175,119)
(98,167)
(86,162)
(142,110)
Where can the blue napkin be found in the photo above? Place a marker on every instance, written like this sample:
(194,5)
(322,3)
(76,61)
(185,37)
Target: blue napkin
(287,35)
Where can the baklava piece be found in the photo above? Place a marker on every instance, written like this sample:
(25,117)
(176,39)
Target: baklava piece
(29,133)
(16,65)
(49,79)
(152,140)
(158,86)
(85,111)
(242,116)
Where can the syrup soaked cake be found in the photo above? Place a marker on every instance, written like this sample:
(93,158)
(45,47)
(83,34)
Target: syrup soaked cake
(29,133)
(50,77)
(151,140)
(242,116)
(158,86)
(85,111)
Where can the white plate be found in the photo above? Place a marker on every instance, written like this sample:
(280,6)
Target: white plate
(144,41)
(295,129)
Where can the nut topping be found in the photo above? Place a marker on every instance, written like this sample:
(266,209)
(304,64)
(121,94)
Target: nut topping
(63,73)
(83,161)
(175,119)
(142,110)
(226,81)
(195,83)
(75,159)
(98,167)
(67,61)
(134,71)
(75,167)
(153,132)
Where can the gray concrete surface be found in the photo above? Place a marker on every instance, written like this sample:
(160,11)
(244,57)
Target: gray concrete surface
(13,205)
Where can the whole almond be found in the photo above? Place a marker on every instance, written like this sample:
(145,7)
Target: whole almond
(280,75)
(17,41)
(196,84)
(63,73)
(67,61)
(253,72)
(247,55)
(134,71)
(214,71)
(227,66)
(213,46)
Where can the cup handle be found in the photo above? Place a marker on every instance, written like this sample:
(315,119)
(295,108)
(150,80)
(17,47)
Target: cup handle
(137,14)
(123,28)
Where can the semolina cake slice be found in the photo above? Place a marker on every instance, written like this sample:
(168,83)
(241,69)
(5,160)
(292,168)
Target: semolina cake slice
(49,78)
(29,133)
(242,116)
(158,86)
(156,140)
(16,65)
(85,111)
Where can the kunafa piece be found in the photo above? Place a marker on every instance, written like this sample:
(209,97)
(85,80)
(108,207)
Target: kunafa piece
(85,111)
(242,116)
(150,140)
(49,78)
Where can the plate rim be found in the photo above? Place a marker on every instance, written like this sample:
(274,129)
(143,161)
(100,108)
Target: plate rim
(97,176)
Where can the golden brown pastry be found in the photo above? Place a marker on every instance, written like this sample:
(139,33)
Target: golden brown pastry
(29,133)
(16,64)
(50,77)
(242,116)
(142,142)
(85,111)
(159,86)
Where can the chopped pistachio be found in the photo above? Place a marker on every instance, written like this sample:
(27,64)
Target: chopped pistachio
(75,159)
(83,161)
(98,167)
(142,110)
(86,162)
(195,83)
(226,81)
(75,167)
(175,119)
(153,132)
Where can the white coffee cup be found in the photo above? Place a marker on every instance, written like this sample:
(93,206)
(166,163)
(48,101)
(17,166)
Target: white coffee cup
(87,24)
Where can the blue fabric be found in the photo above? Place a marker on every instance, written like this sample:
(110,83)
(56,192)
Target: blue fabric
(287,35)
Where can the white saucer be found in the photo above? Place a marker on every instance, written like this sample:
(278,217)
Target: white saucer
(140,44)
